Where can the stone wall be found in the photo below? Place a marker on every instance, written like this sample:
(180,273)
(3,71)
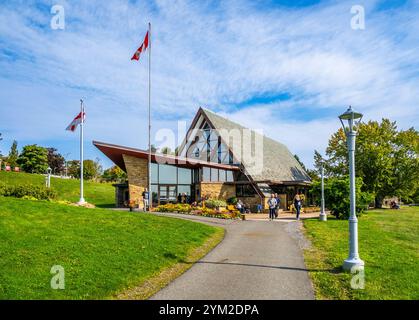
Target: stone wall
(253,202)
(217,190)
(137,171)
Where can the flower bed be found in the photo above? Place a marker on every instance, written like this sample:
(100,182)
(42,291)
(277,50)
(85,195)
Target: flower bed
(198,211)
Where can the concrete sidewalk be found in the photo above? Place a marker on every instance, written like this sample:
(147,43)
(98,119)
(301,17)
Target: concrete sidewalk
(256,260)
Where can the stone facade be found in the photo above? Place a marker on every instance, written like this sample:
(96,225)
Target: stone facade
(218,190)
(137,171)
(252,202)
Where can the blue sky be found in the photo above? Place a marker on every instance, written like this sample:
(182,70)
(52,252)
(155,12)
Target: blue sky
(287,67)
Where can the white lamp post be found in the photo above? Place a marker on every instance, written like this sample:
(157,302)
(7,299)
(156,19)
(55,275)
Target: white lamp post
(323,216)
(49,170)
(353,119)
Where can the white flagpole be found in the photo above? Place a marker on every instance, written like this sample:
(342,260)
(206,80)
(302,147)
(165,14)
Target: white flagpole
(150,198)
(81,201)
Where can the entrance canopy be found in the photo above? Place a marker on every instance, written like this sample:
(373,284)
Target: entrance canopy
(115,152)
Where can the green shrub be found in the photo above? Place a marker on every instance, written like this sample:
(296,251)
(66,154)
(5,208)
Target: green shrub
(232,200)
(215,203)
(336,196)
(28,192)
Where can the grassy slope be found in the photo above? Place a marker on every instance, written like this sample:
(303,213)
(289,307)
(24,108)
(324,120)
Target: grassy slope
(389,245)
(99,194)
(103,252)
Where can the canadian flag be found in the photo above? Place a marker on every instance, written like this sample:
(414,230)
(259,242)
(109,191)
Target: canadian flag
(142,48)
(76,121)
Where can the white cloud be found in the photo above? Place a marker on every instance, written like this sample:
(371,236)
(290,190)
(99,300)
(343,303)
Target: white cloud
(215,55)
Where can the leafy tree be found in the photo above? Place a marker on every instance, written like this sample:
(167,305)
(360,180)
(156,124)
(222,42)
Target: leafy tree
(1,140)
(166,151)
(114,173)
(153,148)
(73,168)
(33,159)
(55,161)
(13,155)
(91,169)
(336,195)
(386,159)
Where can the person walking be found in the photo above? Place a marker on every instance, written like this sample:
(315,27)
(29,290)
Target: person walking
(145,199)
(272,206)
(298,199)
(278,202)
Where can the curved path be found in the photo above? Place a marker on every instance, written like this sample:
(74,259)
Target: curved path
(256,260)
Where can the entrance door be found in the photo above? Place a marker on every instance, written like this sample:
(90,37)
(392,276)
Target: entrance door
(167,194)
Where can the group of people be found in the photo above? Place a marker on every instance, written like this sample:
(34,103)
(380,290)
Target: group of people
(243,208)
(183,198)
(274,202)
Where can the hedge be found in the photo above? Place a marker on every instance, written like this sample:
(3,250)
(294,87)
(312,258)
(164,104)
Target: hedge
(27,191)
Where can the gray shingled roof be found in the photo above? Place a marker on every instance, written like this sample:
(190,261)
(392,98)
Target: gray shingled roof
(279,164)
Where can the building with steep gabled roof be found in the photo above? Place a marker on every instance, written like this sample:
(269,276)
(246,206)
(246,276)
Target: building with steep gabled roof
(218,158)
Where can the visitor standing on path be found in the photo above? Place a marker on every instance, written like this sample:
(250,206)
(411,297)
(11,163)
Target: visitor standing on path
(278,202)
(298,203)
(145,199)
(272,207)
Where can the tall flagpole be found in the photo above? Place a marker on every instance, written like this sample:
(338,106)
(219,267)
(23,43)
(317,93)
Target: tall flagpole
(150,198)
(81,201)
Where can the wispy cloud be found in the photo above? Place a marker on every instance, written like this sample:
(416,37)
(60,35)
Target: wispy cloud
(289,69)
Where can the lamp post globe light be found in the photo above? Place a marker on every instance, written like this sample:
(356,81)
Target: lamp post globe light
(323,216)
(352,119)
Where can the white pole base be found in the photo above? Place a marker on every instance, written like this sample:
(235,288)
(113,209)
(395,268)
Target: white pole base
(81,201)
(323,216)
(353,264)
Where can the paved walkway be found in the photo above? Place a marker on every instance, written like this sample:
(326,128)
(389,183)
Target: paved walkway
(256,260)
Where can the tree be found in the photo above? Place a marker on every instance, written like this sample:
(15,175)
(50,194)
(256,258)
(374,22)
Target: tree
(13,155)
(336,194)
(33,159)
(386,159)
(166,151)
(55,161)
(73,167)
(114,173)
(1,140)
(91,169)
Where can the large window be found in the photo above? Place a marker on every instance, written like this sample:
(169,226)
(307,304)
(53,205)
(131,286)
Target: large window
(206,174)
(154,173)
(214,174)
(229,176)
(167,174)
(245,190)
(184,176)
(184,189)
(217,175)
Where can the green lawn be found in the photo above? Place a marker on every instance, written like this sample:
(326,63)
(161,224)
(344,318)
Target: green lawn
(103,252)
(389,245)
(99,194)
